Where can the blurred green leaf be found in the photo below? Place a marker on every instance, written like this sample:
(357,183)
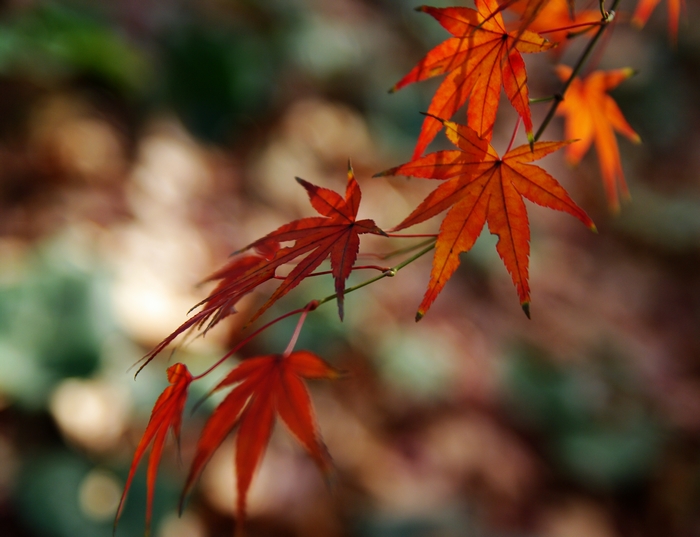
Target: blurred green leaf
(217,82)
(55,41)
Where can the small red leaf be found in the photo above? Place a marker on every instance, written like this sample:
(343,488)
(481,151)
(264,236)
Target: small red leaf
(264,386)
(166,414)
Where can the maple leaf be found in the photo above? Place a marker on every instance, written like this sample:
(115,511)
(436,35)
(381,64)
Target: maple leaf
(529,11)
(645,8)
(237,278)
(336,234)
(166,415)
(558,14)
(480,58)
(480,187)
(265,386)
(592,115)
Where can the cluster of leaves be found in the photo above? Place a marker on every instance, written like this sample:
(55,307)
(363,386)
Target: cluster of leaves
(478,187)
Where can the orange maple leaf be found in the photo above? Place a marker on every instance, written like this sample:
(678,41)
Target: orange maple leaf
(558,14)
(166,415)
(529,11)
(645,8)
(265,386)
(480,58)
(592,115)
(481,187)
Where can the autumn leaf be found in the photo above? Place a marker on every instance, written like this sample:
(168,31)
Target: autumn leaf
(529,11)
(336,234)
(166,415)
(557,14)
(265,386)
(645,8)
(480,187)
(480,58)
(237,278)
(592,115)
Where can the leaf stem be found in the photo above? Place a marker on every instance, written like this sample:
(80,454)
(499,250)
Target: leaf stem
(327,272)
(542,99)
(247,339)
(297,330)
(389,273)
(559,97)
(573,26)
(409,236)
(515,132)
(400,251)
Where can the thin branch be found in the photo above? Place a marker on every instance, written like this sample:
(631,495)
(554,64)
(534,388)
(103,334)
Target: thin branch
(558,98)
(386,274)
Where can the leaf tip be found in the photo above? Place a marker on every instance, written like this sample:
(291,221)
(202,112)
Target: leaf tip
(629,72)
(526,309)
(531,140)
(593,228)
(421,9)
(341,309)
(419,315)
(428,114)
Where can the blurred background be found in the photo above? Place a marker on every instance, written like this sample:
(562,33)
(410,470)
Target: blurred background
(142,141)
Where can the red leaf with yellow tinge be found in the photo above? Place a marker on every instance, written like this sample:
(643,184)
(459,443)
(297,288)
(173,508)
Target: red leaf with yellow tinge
(592,115)
(480,187)
(480,58)
(645,8)
(265,386)
(166,415)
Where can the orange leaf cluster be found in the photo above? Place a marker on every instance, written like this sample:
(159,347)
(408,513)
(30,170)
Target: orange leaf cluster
(478,188)
(481,57)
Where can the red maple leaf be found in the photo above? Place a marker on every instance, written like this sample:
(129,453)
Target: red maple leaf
(592,116)
(265,386)
(335,234)
(237,278)
(480,58)
(481,187)
(166,415)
